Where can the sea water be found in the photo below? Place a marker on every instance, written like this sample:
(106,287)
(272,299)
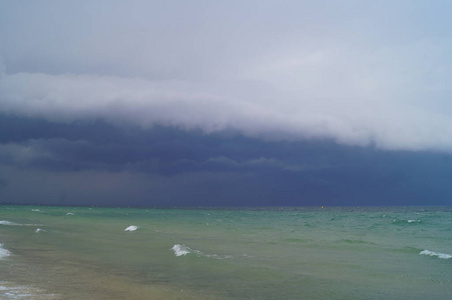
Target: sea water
(266,253)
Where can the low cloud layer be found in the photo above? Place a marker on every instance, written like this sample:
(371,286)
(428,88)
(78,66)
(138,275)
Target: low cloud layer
(359,73)
(98,163)
(65,98)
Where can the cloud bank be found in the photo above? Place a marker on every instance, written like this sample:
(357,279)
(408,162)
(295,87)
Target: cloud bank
(66,98)
(359,73)
(96,163)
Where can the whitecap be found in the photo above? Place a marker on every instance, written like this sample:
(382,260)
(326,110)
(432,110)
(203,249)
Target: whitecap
(409,221)
(439,255)
(3,252)
(8,223)
(35,209)
(180,250)
(70,214)
(131,228)
(38,230)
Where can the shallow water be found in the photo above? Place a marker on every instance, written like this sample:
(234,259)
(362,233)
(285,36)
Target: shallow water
(279,253)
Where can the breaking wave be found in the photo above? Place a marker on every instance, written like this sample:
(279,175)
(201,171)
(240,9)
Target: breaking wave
(131,228)
(410,221)
(3,252)
(8,223)
(439,255)
(182,250)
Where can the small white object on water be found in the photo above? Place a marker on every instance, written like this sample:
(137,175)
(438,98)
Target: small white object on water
(131,228)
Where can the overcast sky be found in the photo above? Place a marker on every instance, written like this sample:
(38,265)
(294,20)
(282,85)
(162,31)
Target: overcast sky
(180,103)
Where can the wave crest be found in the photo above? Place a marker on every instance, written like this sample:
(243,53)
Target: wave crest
(4,252)
(131,228)
(182,250)
(437,254)
(8,223)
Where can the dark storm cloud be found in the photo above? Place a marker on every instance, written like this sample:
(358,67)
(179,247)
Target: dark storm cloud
(98,144)
(165,149)
(3,183)
(170,166)
(225,102)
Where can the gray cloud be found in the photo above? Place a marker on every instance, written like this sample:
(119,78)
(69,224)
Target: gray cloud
(96,163)
(3,183)
(146,103)
(359,73)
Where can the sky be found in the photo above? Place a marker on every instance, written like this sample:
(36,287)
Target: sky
(225,103)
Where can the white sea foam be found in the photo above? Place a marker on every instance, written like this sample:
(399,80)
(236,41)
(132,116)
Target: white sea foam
(217,256)
(8,223)
(3,252)
(38,230)
(9,290)
(70,214)
(35,209)
(131,228)
(180,250)
(395,221)
(439,255)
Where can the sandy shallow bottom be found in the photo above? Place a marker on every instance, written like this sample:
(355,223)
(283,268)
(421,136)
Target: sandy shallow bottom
(37,274)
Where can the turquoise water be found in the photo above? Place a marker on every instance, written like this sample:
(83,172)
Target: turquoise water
(286,253)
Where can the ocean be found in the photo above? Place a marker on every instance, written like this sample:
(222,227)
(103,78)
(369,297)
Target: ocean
(256,253)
